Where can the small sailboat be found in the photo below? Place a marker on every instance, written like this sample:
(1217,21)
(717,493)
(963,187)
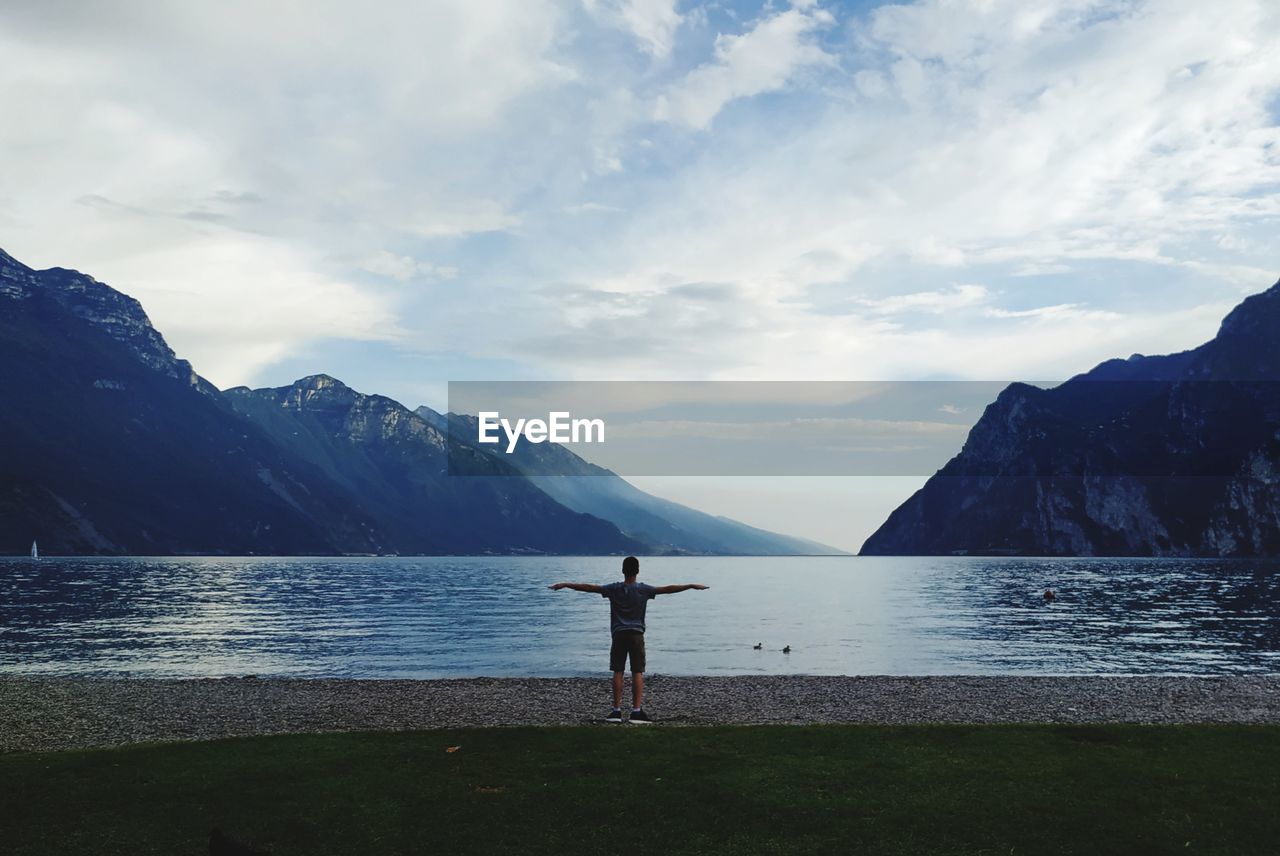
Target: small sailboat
(35,552)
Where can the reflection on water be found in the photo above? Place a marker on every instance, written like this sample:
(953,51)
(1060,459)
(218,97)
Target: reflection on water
(443,617)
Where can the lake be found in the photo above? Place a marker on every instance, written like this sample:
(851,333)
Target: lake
(457,617)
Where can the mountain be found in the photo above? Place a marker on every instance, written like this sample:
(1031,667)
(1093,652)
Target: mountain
(1175,455)
(395,463)
(666,526)
(110,444)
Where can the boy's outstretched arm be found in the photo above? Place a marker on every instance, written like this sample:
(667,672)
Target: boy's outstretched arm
(680,588)
(587,587)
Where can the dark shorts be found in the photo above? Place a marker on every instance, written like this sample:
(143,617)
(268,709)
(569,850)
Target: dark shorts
(627,644)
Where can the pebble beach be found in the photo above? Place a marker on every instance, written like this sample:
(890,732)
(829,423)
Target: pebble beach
(39,714)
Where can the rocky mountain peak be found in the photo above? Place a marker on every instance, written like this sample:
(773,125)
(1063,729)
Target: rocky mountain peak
(318,391)
(16,279)
(432,418)
(1247,347)
(8,260)
(348,412)
(117,314)
(1257,314)
(997,434)
(1150,455)
(322,383)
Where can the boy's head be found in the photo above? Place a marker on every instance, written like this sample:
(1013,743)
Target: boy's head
(630,567)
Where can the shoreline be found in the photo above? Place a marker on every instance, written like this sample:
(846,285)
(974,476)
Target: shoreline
(39,714)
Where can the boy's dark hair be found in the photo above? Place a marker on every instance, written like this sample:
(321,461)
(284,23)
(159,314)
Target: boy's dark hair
(630,566)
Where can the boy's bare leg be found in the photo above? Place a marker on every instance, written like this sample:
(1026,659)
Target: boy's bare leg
(637,690)
(617,690)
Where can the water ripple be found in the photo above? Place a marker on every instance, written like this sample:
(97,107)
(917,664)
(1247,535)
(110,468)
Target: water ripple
(446,617)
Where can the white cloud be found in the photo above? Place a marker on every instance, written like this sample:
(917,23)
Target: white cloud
(1108,145)
(763,59)
(463,218)
(653,23)
(931,251)
(277,138)
(1038,269)
(1053,313)
(996,141)
(232,304)
(807,431)
(927,301)
(593,208)
(404,268)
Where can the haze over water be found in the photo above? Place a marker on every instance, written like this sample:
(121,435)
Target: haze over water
(458,617)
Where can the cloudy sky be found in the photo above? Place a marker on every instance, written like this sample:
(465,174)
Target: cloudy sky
(403,194)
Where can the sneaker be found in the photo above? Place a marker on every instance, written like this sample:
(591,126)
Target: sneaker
(615,715)
(639,717)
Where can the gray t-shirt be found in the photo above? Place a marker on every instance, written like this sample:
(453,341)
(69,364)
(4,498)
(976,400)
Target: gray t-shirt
(627,603)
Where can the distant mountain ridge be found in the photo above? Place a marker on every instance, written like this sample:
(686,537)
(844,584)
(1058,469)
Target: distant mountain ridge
(109,443)
(118,315)
(1175,455)
(665,525)
(395,462)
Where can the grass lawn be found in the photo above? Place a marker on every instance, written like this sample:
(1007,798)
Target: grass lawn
(625,789)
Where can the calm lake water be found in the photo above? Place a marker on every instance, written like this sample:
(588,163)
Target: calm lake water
(454,617)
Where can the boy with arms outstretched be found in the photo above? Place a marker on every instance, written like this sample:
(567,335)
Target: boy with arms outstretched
(627,602)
